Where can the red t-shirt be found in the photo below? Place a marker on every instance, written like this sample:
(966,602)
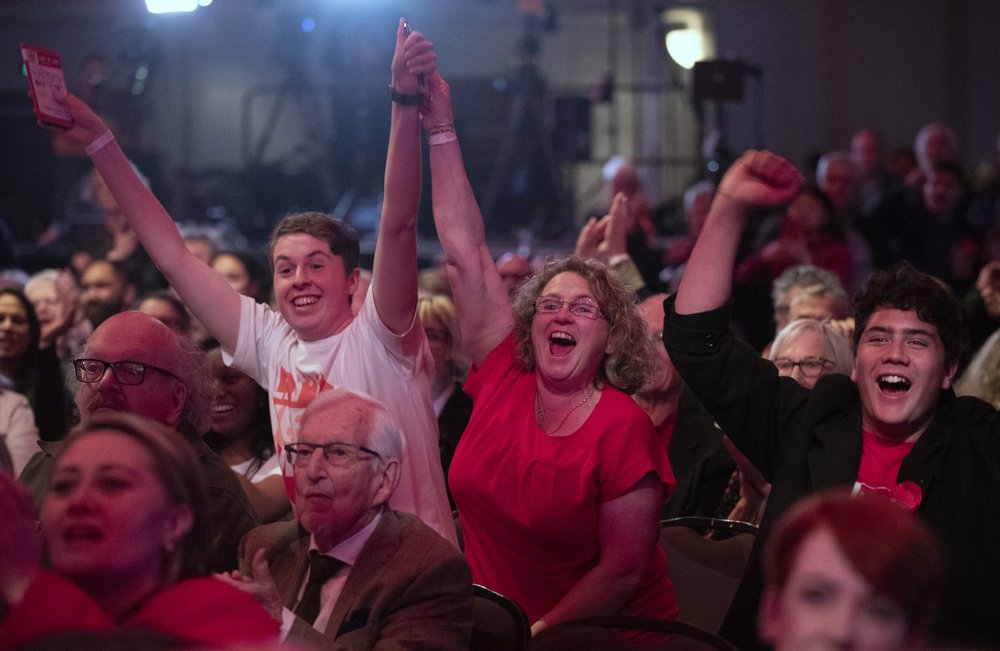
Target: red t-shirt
(529,502)
(880,464)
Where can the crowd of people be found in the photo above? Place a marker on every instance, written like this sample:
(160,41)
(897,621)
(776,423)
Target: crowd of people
(195,454)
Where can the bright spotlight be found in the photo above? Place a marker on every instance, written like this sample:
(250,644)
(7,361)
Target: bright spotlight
(685,46)
(174,6)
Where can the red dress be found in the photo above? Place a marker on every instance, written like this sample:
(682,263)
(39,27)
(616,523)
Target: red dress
(202,612)
(529,502)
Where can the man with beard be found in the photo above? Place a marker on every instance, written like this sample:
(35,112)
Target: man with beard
(105,290)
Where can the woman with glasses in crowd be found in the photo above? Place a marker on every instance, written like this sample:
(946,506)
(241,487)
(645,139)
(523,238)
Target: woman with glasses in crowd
(126,531)
(805,349)
(559,478)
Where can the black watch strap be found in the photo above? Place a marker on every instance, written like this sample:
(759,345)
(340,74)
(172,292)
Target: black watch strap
(403,98)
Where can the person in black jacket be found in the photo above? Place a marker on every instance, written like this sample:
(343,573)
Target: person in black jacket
(893,427)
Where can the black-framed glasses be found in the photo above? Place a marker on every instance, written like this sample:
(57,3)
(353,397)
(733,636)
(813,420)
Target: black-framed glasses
(810,366)
(581,307)
(126,372)
(340,455)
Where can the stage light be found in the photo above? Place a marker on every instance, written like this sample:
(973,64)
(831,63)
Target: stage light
(174,6)
(686,40)
(686,47)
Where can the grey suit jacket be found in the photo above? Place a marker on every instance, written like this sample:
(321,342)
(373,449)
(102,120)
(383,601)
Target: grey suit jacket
(410,589)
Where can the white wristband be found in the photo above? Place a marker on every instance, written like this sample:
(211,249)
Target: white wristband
(99,143)
(442,137)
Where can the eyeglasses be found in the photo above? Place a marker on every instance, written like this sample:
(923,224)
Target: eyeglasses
(131,373)
(339,455)
(810,366)
(582,307)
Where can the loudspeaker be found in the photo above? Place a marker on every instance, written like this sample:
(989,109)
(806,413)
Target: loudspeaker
(719,80)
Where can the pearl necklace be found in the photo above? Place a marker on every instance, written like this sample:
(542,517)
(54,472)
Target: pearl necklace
(541,412)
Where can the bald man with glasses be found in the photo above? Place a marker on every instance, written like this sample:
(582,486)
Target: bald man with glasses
(135,364)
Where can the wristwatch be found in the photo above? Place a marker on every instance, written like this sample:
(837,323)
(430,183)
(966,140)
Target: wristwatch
(403,98)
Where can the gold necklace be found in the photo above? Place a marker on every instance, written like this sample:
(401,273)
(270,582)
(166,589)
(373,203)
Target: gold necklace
(541,412)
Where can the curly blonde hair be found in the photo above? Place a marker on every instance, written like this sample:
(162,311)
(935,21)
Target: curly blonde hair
(629,365)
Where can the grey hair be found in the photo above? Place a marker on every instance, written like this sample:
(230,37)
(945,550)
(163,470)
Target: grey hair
(835,341)
(67,294)
(194,371)
(385,435)
(823,165)
(804,275)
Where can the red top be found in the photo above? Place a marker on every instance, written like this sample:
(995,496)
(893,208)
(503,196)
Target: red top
(529,502)
(880,464)
(203,612)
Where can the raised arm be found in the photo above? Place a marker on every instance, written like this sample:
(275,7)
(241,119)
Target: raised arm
(394,273)
(481,300)
(206,292)
(758,178)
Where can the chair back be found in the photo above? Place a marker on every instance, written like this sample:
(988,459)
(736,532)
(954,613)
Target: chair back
(706,571)
(498,623)
(605,632)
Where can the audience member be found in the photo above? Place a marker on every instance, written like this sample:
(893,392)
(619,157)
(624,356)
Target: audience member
(850,572)
(56,298)
(549,390)
(313,341)
(620,177)
(165,307)
(201,245)
(240,433)
(897,429)
(452,405)
(874,181)
(242,271)
(18,432)
(126,532)
(514,270)
(32,371)
(124,247)
(697,199)
(351,572)
(794,280)
(981,306)
(935,144)
(106,289)
(838,180)
(694,444)
(807,348)
(937,239)
(133,363)
(810,233)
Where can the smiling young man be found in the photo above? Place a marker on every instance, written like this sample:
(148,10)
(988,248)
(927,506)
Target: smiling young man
(894,427)
(313,341)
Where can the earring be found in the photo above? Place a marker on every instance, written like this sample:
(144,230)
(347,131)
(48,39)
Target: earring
(169,546)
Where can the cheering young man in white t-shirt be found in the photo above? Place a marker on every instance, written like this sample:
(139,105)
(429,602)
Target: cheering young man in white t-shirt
(313,341)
